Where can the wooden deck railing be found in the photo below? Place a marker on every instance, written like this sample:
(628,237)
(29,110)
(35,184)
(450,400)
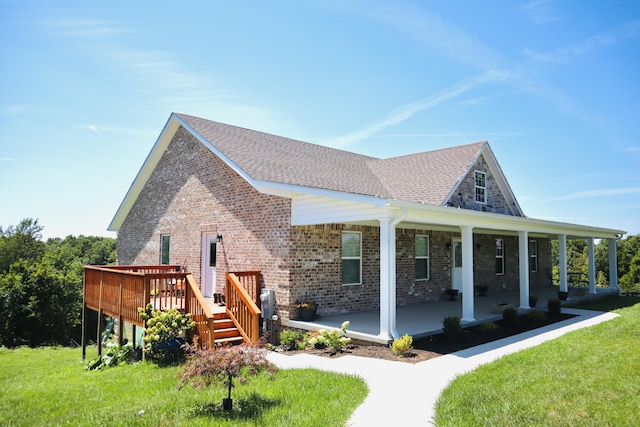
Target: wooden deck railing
(242,309)
(118,291)
(250,281)
(200,313)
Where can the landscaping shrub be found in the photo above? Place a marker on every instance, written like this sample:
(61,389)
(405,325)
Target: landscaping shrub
(451,327)
(292,340)
(165,333)
(536,315)
(554,307)
(488,327)
(402,346)
(510,316)
(335,339)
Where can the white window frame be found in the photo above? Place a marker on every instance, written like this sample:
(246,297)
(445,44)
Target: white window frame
(500,256)
(533,256)
(359,257)
(423,257)
(482,188)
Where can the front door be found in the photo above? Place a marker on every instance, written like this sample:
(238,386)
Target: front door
(456,256)
(209,250)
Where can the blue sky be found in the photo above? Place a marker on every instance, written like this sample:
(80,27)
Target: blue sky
(554,86)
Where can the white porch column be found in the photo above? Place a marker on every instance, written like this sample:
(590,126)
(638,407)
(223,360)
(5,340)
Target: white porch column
(388,277)
(562,248)
(467,274)
(592,265)
(523,253)
(385,279)
(613,265)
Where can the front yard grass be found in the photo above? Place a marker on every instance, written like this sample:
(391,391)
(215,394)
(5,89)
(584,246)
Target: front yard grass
(587,378)
(49,386)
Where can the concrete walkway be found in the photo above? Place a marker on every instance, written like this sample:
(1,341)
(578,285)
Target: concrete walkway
(404,394)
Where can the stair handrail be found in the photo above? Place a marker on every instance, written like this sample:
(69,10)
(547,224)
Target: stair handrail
(242,310)
(200,313)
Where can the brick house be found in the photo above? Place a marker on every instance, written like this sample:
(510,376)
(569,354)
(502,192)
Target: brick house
(347,231)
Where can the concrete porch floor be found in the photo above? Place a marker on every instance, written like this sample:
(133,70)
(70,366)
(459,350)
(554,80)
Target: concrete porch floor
(425,319)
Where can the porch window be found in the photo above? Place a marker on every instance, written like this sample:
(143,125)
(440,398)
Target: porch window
(533,256)
(480,182)
(351,258)
(165,241)
(422,257)
(499,257)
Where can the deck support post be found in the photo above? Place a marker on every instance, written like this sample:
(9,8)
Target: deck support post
(523,249)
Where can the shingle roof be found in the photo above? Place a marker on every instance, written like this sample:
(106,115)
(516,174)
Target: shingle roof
(426,177)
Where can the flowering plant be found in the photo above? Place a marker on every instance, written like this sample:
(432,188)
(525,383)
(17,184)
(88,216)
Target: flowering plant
(335,339)
(306,304)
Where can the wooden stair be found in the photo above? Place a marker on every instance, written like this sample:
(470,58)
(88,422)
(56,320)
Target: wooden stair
(226,331)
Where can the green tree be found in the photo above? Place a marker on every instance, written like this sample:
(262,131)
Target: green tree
(20,242)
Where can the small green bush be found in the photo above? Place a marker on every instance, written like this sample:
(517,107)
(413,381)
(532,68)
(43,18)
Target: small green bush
(402,346)
(451,327)
(335,339)
(536,315)
(292,340)
(488,327)
(510,316)
(165,333)
(554,307)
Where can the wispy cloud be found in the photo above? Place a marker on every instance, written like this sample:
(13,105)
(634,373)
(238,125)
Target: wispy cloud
(7,159)
(541,12)
(592,194)
(405,112)
(611,37)
(12,109)
(86,28)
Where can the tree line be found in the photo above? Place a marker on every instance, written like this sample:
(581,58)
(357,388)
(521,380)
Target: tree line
(41,283)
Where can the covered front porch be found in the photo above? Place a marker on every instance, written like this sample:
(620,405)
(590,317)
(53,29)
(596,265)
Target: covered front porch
(425,319)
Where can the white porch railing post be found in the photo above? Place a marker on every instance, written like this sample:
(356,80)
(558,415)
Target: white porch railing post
(467,274)
(592,265)
(523,250)
(562,249)
(613,265)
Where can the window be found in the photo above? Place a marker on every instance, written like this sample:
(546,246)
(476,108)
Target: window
(533,256)
(422,257)
(164,249)
(212,253)
(351,258)
(480,183)
(499,257)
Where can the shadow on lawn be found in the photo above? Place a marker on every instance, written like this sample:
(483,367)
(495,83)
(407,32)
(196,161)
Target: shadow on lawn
(244,408)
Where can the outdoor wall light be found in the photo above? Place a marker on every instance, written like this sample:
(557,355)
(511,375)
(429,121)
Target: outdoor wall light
(478,246)
(448,245)
(219,238)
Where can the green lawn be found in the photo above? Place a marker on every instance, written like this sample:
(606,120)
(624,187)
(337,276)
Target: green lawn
(49,386)
(589,377)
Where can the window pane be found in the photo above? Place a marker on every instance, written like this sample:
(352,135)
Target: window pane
(164,255)
(212,254)
(422,269)
(350,245)
(457,254)
(350,271)
(422,247)
(499,266)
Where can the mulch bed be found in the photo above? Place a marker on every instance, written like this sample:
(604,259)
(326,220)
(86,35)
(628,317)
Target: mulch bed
(438,345)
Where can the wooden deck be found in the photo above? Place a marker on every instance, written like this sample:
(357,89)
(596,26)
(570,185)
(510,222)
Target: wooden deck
(119,291)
